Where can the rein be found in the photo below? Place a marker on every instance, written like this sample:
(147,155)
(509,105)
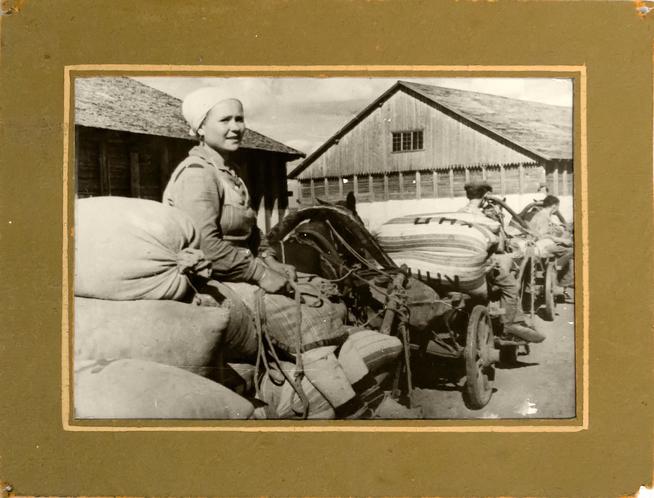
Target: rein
(268,347)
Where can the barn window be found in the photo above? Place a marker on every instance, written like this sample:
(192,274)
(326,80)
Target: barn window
(404,141)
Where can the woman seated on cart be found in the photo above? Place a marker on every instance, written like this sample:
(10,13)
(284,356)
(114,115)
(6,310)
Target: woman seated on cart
(561,246)
(500,276)
(207,186)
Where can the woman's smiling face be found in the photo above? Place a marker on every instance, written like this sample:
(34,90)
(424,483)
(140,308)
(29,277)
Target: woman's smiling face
(224,126)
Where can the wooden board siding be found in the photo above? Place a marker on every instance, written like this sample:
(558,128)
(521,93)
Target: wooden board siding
(511,179)
(533,177)
(408,188)
(363,188)
(367,147)
(427,185)
(378,187)
(475,174)
(394,187)
(493,177)
(124,164)
(459,180)
(133,165)
(87,146)
(349,186)
(409,185)
(560,177)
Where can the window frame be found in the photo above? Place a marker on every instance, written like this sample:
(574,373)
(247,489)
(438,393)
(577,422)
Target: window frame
(414,136)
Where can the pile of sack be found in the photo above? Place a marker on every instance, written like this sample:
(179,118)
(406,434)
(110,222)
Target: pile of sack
(143,347)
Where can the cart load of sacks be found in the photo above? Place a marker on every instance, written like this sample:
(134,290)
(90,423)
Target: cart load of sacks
(450,250)
(155,337)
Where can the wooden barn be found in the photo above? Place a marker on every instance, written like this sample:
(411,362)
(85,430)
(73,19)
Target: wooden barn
(129,137)
(413,149)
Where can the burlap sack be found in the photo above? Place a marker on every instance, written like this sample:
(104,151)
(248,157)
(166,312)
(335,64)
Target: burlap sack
(321,320)
(128,249)
(168,332)
(136,389)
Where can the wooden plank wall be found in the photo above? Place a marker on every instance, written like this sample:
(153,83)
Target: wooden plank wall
(125,164)
(560,177)
(367,147)
(509,179)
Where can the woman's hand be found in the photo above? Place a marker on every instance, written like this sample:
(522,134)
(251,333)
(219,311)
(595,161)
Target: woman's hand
(284,269)
(273,282)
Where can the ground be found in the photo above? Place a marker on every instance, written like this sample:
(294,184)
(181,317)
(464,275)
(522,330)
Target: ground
(540,385)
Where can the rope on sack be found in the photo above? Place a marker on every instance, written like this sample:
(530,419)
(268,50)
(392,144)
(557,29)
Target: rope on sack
(262,333)
(193,262)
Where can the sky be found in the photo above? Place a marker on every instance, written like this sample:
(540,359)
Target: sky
(304,112)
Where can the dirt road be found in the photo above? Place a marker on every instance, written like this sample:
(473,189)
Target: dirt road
(540,385)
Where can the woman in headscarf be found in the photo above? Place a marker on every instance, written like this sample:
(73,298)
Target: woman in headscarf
(207,187)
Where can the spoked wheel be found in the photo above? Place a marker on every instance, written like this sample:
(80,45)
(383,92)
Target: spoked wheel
(526,294)
(480,356)
(548,289)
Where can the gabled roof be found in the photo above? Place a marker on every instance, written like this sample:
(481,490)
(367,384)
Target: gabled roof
(124,104)
(540,131)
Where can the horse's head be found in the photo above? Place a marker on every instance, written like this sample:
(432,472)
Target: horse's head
(350,203)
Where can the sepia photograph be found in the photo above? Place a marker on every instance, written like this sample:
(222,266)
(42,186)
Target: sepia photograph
(331,248)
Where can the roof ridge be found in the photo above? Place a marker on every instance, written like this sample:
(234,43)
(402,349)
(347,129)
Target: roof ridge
(514,99)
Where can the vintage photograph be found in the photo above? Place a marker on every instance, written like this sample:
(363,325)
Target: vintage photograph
(323,248)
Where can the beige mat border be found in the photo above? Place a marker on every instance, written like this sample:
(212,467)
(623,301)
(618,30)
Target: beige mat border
(463,425)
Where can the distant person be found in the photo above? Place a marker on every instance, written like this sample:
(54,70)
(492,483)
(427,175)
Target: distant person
(500,276)
(542,192)
(544,227)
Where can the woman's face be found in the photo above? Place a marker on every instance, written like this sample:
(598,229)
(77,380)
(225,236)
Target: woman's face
(224,126)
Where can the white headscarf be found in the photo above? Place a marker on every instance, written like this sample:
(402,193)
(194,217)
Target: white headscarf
(197,104)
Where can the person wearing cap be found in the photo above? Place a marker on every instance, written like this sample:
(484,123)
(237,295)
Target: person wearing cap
(542,192)
(544,227)
(500,276)
(207,187)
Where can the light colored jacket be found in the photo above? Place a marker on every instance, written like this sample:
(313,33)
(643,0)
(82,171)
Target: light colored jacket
(218,202)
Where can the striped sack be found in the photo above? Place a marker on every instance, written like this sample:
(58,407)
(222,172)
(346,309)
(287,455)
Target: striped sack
(322,320)
(446,249)
(378,352)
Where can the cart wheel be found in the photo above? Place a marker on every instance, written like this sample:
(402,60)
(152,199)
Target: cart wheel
(548,289)
(524,281)
(478,357)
